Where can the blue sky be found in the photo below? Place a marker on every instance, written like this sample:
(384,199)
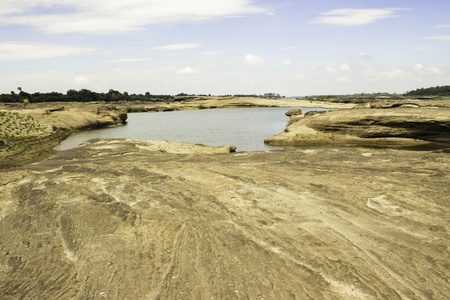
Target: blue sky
(291,47)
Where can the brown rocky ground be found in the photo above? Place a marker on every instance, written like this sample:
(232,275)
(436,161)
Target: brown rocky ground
(122,219)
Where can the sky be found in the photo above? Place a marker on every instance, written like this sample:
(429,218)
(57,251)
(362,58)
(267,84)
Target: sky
(218,47)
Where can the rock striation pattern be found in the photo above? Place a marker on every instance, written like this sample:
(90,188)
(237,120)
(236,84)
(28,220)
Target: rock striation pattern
(122,219)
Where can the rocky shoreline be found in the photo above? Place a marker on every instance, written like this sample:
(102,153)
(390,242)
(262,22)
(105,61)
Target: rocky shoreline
(416,123)
(399,123)
(58,120)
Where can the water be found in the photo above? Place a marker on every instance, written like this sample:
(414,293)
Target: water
(245,128)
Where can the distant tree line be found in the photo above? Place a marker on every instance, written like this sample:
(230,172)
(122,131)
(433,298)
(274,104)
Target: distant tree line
(432,91)
(82,95)
(85,95)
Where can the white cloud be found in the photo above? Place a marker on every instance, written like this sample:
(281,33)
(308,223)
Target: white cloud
(330,70)
(439,37)
(343,79)
(17,51)
(80,80)
(386,73)
(354,16)
(186,70)
(255,60)
(176,47)
(287,61)
(442,26)
(345,67)
(116,16)
(428,69)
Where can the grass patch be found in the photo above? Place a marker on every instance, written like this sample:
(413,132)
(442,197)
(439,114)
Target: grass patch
(13,124)
(23,140)
(21,150)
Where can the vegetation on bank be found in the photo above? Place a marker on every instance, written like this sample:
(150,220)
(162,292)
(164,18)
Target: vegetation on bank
(85,95)
(441,91)
(23,140)
(82,95)
(12,124)
(432,91)
(22,150)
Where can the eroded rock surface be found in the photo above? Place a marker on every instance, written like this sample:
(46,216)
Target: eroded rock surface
(123,219)
(365,126)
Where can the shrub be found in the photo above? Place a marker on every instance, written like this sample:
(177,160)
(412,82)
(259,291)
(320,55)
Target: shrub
(135,109)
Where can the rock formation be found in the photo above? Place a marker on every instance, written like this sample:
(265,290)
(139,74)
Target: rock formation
(294,112)
(403,125)
(123,219)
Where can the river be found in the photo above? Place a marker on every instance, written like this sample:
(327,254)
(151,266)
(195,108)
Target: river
(245,128)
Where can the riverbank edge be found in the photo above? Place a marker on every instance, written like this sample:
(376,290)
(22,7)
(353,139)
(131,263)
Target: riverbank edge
(400,124)
(33,149)
(57,121)
(65,119)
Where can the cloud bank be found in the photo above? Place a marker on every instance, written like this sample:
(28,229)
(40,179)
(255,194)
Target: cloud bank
(116,16)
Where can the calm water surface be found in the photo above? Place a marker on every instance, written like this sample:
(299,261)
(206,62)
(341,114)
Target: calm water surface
(245,128)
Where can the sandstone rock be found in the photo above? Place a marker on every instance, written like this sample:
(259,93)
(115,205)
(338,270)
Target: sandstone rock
(78,116)
(122,219)
(408,126)
(292,112)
